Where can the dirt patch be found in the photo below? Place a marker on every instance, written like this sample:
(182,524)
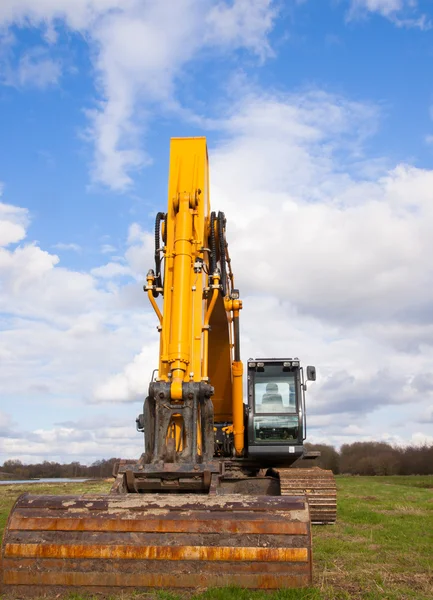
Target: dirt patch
(353,539)
(419,581)
(402,510)
(373,580)
(370,526)
(369,498)
(374,547)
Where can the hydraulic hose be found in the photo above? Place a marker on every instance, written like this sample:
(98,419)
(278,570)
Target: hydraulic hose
(222,248)
(212,245)
(158,275)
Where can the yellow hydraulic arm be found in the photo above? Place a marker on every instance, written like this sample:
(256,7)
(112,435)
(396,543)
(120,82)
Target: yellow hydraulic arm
(199,321)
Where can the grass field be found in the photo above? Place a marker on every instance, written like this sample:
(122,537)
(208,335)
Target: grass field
(381,547)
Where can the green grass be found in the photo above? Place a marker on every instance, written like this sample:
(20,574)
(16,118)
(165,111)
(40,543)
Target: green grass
(382,546)
(380,549)
(9,493)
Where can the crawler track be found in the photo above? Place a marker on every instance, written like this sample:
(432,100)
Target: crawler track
(320,488)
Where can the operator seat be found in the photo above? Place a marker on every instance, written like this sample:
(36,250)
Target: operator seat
(271,398)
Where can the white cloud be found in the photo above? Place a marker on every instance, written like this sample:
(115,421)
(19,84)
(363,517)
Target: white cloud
(139,48)
(5,420)
(141,247)
(61,334)
(13,222)
(421,439)
(56,293)
(242,24)
(107,249)
(352,244)
(135,233)
(403,13)
(35,68)
(85,441)
(111,270)
(63,246)
(385,7)
(131,384)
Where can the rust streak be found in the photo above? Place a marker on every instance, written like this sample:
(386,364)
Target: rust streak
(155,580)
(111,565)
(157,552)
(158,525)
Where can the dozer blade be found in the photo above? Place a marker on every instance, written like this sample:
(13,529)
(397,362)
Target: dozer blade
(96,543)
(320,488)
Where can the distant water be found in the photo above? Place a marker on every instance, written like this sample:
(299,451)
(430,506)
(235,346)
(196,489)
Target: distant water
(47,480)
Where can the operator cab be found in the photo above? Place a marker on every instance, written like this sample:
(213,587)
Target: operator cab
(276,415)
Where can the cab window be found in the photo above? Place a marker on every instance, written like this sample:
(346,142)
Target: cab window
(275,394)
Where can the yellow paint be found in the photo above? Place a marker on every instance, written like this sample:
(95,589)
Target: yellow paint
(238,406)
(215,294)
(187,218)
(196,323)
(150,281)
(220,359)
(176,431)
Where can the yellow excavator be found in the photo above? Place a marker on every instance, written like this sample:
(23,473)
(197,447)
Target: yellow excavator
(213,500)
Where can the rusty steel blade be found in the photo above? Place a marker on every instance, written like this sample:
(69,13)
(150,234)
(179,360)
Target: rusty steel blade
(148,541)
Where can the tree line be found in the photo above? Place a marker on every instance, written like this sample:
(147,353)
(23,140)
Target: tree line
(375,458)
(359,458)
(15,469)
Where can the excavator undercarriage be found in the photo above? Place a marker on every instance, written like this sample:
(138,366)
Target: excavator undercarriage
(214,499)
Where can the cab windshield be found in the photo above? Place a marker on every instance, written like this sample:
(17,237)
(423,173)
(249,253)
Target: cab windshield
(275,391)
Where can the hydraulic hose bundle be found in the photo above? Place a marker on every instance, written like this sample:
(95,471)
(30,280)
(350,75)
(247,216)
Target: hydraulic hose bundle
(220,231)
(158,274)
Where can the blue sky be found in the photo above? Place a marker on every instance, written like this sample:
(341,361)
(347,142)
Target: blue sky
(319,119)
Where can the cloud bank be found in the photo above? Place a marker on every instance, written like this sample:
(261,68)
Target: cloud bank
(329,249)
